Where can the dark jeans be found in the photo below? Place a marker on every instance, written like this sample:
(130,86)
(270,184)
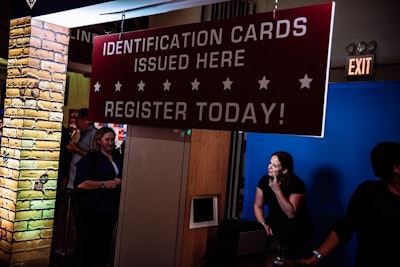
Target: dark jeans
(96,231)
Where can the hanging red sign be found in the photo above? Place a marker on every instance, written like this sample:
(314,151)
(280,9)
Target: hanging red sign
(262,73)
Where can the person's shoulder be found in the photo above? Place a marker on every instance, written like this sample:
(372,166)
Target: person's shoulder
(91,128)
(371,185)
(297,180)
(297,185)
(263,180)
(94,153)
(90,156)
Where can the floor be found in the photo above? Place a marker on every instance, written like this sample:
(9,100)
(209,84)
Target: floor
(256,260)
(253,260)
(64,260)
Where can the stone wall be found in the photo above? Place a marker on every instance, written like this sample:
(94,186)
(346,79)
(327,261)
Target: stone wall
(33,115)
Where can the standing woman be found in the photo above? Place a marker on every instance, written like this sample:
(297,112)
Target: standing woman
(288,221)
(98,179)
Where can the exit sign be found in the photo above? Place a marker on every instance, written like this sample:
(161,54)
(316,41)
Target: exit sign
(360,65)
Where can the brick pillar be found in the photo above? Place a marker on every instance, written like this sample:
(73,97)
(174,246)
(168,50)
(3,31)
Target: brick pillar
(33,115)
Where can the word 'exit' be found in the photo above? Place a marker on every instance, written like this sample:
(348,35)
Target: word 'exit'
(360,65)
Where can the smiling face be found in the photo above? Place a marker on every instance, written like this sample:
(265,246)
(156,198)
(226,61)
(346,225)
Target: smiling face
(107,142)
(275,167)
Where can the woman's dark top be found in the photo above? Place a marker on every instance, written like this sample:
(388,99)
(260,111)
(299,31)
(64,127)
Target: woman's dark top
(292,232)
(97,167)
(374,213)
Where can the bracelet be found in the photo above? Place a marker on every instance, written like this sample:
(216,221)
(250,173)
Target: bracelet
(317,254)
(263,223)
(102,184)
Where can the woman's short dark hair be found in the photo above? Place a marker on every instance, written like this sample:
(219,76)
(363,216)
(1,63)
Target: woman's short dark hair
(286,160)
(383,157)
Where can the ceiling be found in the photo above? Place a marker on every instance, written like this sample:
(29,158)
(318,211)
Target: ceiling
(115,10)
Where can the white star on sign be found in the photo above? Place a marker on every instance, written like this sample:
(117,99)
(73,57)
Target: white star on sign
(141,86)
(305,82)
(227,84)
(97,87)
(263,83)
(118,87)
(195,85)
(167,84)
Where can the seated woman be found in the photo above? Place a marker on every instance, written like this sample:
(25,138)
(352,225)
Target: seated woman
(288,223)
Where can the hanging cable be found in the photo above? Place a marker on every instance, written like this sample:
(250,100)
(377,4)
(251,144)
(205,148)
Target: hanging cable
(122,24)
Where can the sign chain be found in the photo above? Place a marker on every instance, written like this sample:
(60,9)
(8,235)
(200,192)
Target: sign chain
(122,24)
(275,8)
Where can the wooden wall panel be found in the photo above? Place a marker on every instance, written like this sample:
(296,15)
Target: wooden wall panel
(208,172)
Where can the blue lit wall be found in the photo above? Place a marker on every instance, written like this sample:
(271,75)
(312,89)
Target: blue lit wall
(359,115)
